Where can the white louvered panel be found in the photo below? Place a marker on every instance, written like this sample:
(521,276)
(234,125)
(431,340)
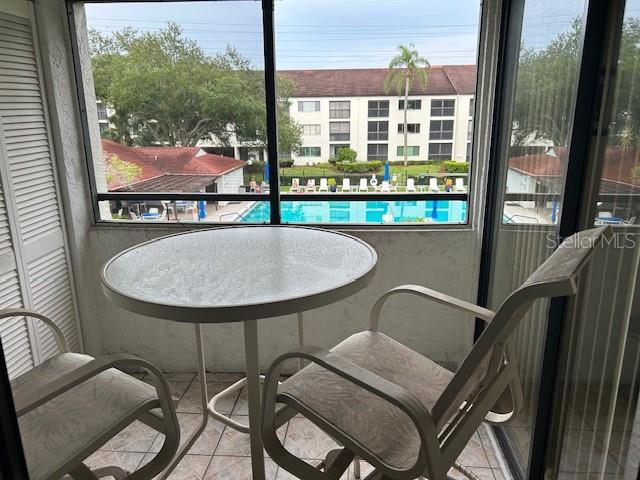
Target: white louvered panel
(6,247)
(51,295)
(31,174)
(14,333)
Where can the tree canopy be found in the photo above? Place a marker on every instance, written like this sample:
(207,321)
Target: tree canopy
(545,88)
(165,90)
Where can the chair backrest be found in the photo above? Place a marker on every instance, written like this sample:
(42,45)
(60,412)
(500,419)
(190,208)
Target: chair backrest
(487,362)
(459,182)
(433,183)
(363,183)
(295,182)
(346,183)
(134,216)
(410,183)
(384,187)
(154,210)
(323,182)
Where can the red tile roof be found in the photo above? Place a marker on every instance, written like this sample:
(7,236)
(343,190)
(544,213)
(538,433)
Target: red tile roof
(539,165)
(156,161)
(369,82)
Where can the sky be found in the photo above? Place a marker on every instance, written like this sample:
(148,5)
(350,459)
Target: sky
(335,33)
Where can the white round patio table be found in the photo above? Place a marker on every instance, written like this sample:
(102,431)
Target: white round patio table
(237,274)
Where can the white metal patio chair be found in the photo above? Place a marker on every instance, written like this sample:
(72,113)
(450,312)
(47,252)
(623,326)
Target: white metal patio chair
(433,185)
(324,185)
(363,185)
(295,185)
(384,186)
(459,185)
(411,184)
(72,404)
(346,185)
(311,185)
(401,412)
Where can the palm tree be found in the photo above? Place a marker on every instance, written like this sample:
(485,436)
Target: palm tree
(404,68)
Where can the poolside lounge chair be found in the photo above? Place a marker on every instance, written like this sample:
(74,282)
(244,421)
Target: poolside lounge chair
(311,185)
(411,185)
(363,185)
(433,185)
(401,412)
(324,186)
(71,404)
(384,186)
(459,185)
(346,185)
(295,185)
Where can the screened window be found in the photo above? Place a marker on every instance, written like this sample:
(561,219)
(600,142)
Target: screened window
(411,105)
(378,108)
(308,106)
(311,129)
(440,151)
(339,131)
(334,147)
(377,151)
(339,109)
(443,108)
(411,128)
(441,130)
(309,152)
(412,151)
(378,130)
(102,111)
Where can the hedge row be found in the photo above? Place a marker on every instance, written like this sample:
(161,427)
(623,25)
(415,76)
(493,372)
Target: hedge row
(456,167)
(358,167)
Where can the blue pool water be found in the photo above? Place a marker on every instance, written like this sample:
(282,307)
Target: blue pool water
(309,211)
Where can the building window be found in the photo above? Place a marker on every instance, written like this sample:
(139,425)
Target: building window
(440,151)
(378,130)
(309,152)
(339,131)
(340,109)
(377,151)
(334,147)
(472,104)
(104,128)
(378,108)
(102,111)
(308,106)
(411,151)
(470,130)
(443,108)
(441,130)
(411,128)
(411,105)
(311,129)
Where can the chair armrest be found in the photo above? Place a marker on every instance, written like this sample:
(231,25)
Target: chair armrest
(61,343)
(382,388)
(438,297)
(70,380)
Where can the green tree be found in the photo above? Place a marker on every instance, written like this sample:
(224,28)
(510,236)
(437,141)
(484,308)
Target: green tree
(120,172)
(545,95)
(165,90)
(404,68)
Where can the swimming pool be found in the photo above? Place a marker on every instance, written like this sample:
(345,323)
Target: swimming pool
(405,211)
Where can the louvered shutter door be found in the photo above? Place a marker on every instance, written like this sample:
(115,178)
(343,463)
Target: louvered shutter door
(16,343)
(34,199)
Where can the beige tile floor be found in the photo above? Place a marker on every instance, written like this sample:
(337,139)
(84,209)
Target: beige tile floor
(223,453)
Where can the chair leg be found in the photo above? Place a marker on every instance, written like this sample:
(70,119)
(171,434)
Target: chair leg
(116,472)
(356,468)
(465,471)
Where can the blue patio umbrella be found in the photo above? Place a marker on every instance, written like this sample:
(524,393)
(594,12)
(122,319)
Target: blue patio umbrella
(386,172)
(434,210)
(202,213)
(265,175)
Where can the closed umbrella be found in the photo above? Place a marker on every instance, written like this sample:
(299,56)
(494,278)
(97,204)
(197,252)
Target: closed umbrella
(265,175)
(386,172)
(202,213)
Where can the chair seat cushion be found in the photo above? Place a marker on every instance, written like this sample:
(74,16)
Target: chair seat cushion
(377,425)
(73,425)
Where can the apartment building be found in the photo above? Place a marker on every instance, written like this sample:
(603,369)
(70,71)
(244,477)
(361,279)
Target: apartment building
(350,108)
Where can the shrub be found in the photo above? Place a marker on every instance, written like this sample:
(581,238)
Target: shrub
(331,182)
(324,165)
(358,167)
(286,163)
(255,167)
(344,155)
(456,167)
